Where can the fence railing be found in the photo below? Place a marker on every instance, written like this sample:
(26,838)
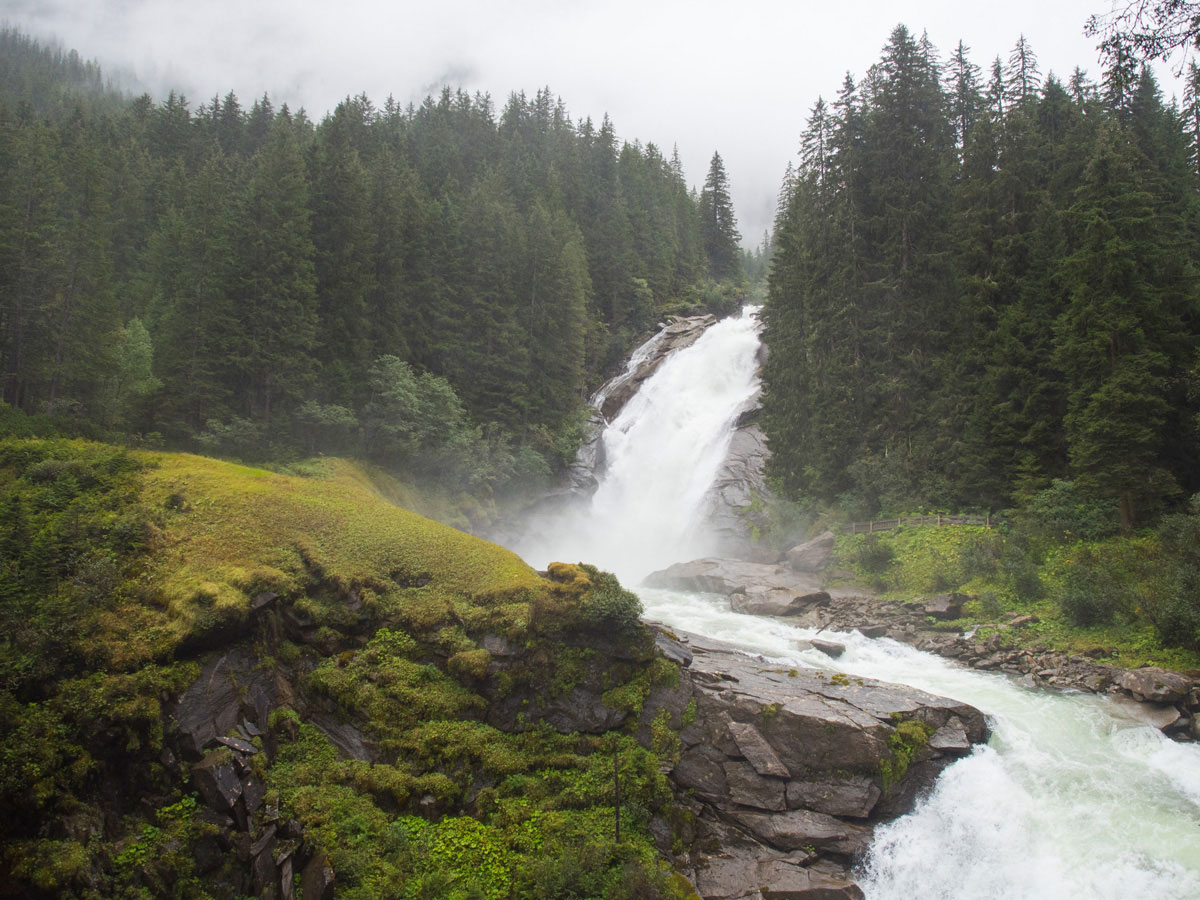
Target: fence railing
(936,520)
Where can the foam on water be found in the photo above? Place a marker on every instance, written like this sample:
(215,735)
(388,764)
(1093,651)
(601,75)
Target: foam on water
(1070,798)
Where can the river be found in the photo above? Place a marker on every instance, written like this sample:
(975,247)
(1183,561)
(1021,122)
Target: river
(1070,798)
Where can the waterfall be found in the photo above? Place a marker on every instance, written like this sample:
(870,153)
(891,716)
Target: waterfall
(663,451)
(1070,799)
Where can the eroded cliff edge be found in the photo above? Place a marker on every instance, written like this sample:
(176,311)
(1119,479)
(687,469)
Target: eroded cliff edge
(787,770)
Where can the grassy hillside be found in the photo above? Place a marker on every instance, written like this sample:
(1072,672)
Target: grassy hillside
(128,574)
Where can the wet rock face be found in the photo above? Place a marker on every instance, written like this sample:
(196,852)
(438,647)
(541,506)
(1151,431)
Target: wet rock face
(676,334)
(739,482)
(783,767)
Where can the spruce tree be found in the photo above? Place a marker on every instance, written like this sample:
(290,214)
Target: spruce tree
(276,295)
(718,224)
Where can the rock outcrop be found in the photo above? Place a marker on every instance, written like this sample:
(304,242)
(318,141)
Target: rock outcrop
(739,485)
(675,334)
(765,589)
(785,768)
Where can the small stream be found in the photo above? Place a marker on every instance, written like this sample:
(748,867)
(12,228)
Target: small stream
(1070,799)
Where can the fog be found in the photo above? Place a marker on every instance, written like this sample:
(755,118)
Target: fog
(701,74)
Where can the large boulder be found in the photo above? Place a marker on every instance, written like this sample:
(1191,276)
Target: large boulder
(812,556)
(783,766)
(772,600)
(945,606)
(715,575)
(1155,685)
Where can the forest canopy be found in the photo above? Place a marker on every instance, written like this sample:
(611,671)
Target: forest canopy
(984,283)
(240,279)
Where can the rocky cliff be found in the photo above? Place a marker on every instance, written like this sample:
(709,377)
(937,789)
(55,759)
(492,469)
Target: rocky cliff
(786,770)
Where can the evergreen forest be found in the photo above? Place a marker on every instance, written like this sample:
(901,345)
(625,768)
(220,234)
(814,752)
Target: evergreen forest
(434,288)
(984,292)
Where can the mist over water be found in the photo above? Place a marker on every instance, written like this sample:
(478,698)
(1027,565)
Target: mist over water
(1070,799)
(662,451)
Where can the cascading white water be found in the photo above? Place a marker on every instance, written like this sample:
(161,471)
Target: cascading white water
(1070,799)
(662,451)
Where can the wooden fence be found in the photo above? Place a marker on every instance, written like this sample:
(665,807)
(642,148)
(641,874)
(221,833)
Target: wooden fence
(893,524)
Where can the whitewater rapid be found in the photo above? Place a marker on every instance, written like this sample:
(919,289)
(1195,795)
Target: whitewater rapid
(1070,799)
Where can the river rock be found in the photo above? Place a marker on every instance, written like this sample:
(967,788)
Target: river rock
(812,556)
(716,575)
(1155,685)
(768,600)
(945,606)
(831,649)
(1162,716)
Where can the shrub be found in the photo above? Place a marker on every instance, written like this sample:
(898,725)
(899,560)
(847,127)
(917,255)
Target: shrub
(1093,593)
(1173,601)
(874,556)
(1063,511)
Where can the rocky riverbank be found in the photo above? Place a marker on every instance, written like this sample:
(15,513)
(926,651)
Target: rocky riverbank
(797,589)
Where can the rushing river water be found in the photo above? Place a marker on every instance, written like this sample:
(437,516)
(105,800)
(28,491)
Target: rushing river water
(1070,799)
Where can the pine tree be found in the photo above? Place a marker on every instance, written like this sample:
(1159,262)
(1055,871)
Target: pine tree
(191,259)
(276,298)
(1114,339)
(718,223)
(30,266)
(344,265)
(1023,77)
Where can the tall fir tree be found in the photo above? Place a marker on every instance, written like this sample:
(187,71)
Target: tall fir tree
(718,223)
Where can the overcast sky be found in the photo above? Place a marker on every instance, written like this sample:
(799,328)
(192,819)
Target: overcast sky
(701,74)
